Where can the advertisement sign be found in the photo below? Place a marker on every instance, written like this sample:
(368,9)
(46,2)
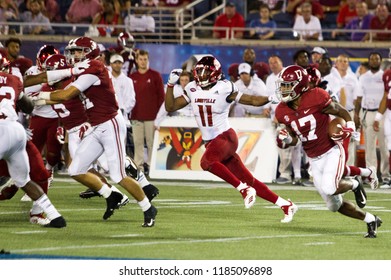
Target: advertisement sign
(178,148)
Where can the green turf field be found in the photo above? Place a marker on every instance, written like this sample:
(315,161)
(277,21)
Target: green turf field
(197,221)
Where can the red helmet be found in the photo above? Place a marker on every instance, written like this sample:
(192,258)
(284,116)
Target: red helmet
(44,52)
(4,62)
(56,62)
(207,71)
(88,47)
(125,40)
(294,76)
(314,76)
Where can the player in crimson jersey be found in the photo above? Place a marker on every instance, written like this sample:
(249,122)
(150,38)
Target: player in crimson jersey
(95,88)
(211,96)
(385,110)
(306,114)
(314,78)
(13,146)
(126,48)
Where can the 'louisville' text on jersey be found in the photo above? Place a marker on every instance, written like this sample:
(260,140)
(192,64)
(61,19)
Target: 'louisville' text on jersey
(204,100)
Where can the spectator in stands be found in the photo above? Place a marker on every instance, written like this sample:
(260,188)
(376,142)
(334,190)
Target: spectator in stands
(261,69)
(35,16)
(263,28)
(307,27)
(330,6)
(347,12)
(230,18)
(83,11)
(122,7)
(110,18)
(275,6)
(362,21)
(51,10)
(150,3)
(140,21)
(294,8)
(381,20)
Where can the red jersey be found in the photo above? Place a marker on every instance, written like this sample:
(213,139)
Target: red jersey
(376,24)
(70,112)
(387,86)
(22,63)
(10,88)
(308,122)
(98,96)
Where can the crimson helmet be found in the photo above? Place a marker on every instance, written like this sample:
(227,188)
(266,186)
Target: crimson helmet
(294,76)
(4,62)
(44,52)
(207,71)
(126,41)
(56,62)
(88,47)
(314,76)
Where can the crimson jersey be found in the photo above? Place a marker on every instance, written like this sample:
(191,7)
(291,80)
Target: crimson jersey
(308,122)
(10,88)
(97,93)
(71,112)
(22,63)
(387,86)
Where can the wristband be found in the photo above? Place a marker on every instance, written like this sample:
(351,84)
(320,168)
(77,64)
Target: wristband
(238,96)
(45,95)
(58,75)
(378,116)
(351,124)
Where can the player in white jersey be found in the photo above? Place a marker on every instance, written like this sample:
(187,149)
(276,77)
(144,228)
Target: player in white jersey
(211,96)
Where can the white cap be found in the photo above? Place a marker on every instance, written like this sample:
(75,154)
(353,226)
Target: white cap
(244,68)
(116,57)
(319,50)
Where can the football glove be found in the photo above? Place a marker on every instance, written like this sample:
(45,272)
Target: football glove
(84,130)
(343,134)
(174,77)
(60,135)
(80,67)
(284,136)
(29,134)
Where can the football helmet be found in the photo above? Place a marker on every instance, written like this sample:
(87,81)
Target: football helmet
(126,41)
(207,71)
(56,62)
(291,82)
(44,52)
(314,76)
(87,47)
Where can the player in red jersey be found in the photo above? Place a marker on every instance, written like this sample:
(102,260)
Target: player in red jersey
(306,114)
(95,88)
(13,145)
(126,48)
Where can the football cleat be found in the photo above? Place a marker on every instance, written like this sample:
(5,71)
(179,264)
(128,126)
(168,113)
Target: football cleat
(39,219)
(88,193)
(112,202)
(58,222)
(249,196)
(289,211)
(372,228)
(372,178)
(125,200)
(359,193)
(150,191)
(5,182)
(149,217)
(8,191)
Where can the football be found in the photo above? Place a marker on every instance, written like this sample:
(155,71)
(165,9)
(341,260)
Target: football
(335,126)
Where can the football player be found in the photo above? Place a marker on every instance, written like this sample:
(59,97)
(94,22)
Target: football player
(306,114)
(95,88)
(13,148)
(221,142)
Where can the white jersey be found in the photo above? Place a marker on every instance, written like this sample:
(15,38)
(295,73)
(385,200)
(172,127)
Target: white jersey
(352,89)
(210,107)
(372,87)
(256,88)
(45,111)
